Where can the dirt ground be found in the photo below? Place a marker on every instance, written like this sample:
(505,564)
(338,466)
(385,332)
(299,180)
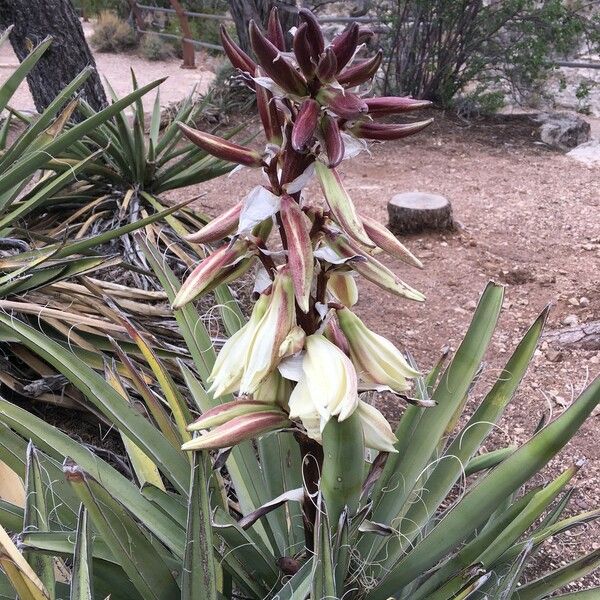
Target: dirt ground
(530,219)
(116,68)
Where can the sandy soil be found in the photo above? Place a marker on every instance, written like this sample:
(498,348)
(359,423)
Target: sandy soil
(116,68)
(529,219)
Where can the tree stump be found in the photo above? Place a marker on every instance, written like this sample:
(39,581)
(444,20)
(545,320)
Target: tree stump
(416,211)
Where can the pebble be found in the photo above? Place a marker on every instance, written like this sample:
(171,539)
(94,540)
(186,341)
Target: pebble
(471,305)
(571,320)
(554,356)
(573,301)
(583,301)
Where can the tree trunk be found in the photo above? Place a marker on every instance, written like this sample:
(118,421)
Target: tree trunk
(68,55)
(243,11)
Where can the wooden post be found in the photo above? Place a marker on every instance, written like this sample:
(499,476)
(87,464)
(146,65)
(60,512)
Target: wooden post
(189,58)
(136,13)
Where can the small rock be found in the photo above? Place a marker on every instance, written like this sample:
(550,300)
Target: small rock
(471,305)
(564,131)
(519,430)
(587,153)
(574,301)
(561,401)
(583,301)
(554,356)
(595,360)
(571,320)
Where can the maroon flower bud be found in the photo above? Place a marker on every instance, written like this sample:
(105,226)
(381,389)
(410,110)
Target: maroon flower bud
(274,30)
(223,225)
(305,124)
(344,45)
(335,335)
(221,148)
(303,53)
(223,413)
(300,253)
(360,72)
(390,105)
(239,429)
(332,140)
(340,204)
(294,164)
(214,270)
(238,58)
(327,67)
(267,110)
(371,269)
(383,238)
(314,33)
(344,104)
(275,65)
(383,131)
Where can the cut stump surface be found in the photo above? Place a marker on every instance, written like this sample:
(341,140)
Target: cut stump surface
(416,211)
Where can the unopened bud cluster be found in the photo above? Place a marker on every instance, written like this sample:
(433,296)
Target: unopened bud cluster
(304,358)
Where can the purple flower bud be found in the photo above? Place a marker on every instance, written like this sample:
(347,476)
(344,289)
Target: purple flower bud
(275,64)
(294,164)
(302,51)
(383,238)
(213,270)
(360,72)
(221,148)
(269,116)
(384,131)
(332,140)
(344,45)
(239,429)
(314,33)
(274,30)
(223,225)
(327,67)
(300,253)
(371,269)
(390,105)
(344,104)
(238,58)
(305,124)
(340,204)
(222,413)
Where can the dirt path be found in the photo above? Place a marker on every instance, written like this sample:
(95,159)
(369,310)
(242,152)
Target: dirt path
(117,69)
(531,220)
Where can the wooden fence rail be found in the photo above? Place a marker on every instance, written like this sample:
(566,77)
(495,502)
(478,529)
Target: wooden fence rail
(188,43)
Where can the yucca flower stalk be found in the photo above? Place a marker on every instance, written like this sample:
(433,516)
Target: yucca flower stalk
(314,113)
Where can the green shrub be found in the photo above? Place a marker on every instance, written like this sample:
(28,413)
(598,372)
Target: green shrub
(152,47)
(112,34)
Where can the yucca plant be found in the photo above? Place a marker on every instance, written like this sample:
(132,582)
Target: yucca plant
(30,259)
(70,199)
(309,492)
(163,160)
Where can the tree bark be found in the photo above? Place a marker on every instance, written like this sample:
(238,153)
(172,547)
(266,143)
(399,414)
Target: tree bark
(68,55)
(243,11)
